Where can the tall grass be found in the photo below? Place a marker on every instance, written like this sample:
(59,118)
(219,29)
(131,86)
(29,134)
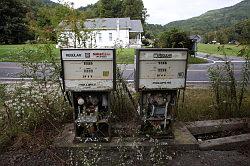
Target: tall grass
(199,105)
(229,94)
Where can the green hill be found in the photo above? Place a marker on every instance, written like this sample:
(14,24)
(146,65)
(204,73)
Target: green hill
(214,19)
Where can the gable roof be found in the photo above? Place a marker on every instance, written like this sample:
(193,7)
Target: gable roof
(111,23)
(196,38)
(136,26)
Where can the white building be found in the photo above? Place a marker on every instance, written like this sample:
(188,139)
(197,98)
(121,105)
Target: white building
(104,33)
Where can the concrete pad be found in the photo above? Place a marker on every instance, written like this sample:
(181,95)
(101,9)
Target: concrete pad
(183,139)
(225,143)
(211,126)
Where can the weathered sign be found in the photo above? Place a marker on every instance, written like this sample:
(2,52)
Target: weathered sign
(88,69)
(160,69)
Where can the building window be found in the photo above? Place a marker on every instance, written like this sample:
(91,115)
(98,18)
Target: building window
(100,37)
(110,36)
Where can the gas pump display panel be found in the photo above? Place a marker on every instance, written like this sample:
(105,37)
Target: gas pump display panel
(160,69)
(88,69)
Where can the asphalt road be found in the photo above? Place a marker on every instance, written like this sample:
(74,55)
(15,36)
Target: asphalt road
(197,73)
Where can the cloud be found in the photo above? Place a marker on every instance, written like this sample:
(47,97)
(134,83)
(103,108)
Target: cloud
(77,3)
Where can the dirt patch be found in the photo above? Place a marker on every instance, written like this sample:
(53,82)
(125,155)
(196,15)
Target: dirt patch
(76,156)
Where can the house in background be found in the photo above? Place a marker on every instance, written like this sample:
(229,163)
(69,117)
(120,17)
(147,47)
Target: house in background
(195,39)
(104,33)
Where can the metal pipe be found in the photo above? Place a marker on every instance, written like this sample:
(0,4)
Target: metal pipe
(165,116)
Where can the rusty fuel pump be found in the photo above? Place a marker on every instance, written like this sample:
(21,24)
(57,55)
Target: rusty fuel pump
(159,75)
(88,77)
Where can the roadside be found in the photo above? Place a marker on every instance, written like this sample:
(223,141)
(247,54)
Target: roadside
(213,58)
(220,49)
(27,152)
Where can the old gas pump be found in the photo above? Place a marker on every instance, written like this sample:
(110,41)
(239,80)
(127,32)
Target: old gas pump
(88,79)
(159,75)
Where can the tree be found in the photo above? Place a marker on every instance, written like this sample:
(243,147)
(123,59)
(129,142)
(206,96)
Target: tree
(13,27)
(49,23)
(134,9)
(221,36)
(117,8)
(174,39)
(75,23)
(242,31)
(209,37)
(109,8)
(90,11)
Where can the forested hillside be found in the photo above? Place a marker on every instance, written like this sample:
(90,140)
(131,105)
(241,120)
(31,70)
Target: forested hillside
(215,19)
(223,25)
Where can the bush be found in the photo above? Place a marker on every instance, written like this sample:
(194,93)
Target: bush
(174,39)
(35,106)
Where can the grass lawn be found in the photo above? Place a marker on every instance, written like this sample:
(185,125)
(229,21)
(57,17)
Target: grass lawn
(125,55)
(214,49)
(8,52)
(193,60)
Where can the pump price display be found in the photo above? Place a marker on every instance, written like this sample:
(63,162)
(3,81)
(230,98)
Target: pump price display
(160,69)
(88,69)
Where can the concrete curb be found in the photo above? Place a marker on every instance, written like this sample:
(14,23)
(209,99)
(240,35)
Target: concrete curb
(183,140)
(225,143)
(183,137)
(211,126)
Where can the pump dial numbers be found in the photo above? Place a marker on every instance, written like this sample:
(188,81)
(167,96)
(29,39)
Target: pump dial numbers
(162,62)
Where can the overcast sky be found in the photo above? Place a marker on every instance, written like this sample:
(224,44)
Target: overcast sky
(165,11)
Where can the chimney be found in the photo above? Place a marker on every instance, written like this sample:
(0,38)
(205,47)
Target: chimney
(118,28)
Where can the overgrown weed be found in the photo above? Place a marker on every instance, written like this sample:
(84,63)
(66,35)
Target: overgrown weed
(229,93)
(34,109)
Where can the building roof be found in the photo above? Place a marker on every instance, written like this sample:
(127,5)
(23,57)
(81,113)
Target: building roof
(107,23)
(111,23)
(196,38)
(136,26)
